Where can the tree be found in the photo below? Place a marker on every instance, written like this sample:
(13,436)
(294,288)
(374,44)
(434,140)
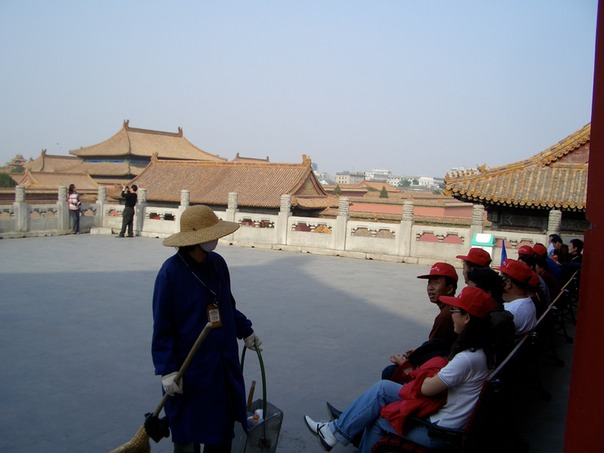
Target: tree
(6,180)
(404,183)
(337,190)
(383,192)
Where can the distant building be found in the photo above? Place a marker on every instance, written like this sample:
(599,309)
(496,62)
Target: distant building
(426,181)
(379,174)
(349,178)
(395,180)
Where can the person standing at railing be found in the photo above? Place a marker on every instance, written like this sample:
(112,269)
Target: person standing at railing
(73,200)
(130,198)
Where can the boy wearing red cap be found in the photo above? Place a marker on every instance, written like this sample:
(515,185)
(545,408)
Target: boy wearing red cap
(518,281)
(442,281)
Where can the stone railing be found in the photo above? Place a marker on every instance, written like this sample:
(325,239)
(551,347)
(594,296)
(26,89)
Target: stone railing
(402,242)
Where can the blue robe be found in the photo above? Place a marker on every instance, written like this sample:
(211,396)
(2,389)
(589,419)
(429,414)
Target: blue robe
(213,387)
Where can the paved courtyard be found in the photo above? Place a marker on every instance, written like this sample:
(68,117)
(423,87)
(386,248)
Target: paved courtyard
(75,314)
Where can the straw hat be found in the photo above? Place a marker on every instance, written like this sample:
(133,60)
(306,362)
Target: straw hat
(199,224)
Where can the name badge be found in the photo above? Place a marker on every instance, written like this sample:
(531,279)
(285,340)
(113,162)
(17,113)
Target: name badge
(214,315)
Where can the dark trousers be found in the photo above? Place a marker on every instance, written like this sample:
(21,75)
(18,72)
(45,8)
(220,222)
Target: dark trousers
(195,448)
(127,221)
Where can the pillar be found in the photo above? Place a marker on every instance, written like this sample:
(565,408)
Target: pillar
(140,211)
(21,210)
(341,229)
(477,226)
(232,206)
(62,209)
(586,396)
(101,200)
(554,221)
(283,219)
(405,234)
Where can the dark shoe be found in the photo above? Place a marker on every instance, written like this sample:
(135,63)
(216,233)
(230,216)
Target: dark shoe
(119,236)
(334,413)
(322,432)
(130,236)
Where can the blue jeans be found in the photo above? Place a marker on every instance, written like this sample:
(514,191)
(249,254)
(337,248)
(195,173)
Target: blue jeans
(364,414)
(74,215)
(419,435)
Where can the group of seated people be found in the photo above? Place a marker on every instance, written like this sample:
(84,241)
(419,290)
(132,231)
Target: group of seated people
(442,379)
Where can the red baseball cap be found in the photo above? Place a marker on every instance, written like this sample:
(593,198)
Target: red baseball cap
(441,270)
(526,250)
(519,271)
(540,249)
(477,256)
(471,299)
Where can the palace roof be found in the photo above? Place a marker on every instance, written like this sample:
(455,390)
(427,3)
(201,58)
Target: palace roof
(50,181)
(134,142)
(553,179)
(258,185)
(49,163)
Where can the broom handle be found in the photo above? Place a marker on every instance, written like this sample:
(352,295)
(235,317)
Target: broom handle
(202,336)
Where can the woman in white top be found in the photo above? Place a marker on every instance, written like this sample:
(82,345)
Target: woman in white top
(462,378)
(73,200)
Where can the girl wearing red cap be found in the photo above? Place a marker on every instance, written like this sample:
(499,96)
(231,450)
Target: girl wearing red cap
(376,411)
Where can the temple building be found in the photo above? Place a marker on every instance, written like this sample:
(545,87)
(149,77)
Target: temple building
(259,185)
(125,155)
(519,196)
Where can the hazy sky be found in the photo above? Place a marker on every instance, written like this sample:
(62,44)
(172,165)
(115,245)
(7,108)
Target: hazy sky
(415,86)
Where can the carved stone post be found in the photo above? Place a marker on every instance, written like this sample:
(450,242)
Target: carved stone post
(477,222)
(283,219)
(101,200)
(184,200)
(406,228)
(21,210)
(232,207)
(553,224)
(62,209)
(140,211)
(341,229)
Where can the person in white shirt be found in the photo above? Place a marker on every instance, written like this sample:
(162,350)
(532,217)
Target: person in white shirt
(519,280)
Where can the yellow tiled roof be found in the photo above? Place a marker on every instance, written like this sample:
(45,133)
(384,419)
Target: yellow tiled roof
(51,163)
(555,178)
(129,141)
(257,184)
(43,180)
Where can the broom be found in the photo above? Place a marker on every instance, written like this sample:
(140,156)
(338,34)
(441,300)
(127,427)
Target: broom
(140,442)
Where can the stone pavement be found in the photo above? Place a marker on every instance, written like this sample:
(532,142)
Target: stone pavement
(75,316)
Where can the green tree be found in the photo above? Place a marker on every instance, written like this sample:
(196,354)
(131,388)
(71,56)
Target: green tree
(383,192)
(404,183)
(6,180)
(337,190)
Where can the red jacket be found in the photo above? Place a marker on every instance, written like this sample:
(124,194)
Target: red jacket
(412,401)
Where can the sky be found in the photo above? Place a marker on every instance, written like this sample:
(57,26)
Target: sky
(414,86)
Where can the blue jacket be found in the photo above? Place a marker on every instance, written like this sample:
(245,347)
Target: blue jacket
(213,387)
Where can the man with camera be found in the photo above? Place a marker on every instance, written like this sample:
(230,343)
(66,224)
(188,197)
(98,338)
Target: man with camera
(130,198)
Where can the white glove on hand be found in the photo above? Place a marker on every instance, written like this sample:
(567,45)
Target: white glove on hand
(171,387)
(252,342)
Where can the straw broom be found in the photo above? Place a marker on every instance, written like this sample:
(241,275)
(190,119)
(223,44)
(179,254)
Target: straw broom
(140,442)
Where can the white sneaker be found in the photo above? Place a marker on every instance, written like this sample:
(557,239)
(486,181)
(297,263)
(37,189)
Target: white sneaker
(321,432)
